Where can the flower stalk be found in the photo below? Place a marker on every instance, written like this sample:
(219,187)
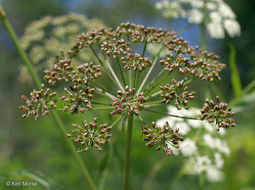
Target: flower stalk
(128,152)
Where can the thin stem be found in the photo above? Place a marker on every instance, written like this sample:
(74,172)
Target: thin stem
(116,121)
(149,72)
(114,75)
(95,54)
(37,81)
(18,47)
(157,93)
(155,82)
(153,105)
(144,47)
(130,78)
(217,91)
(103,65)
(177,116)
(153,95)
(128,150)
(156,102)
(249,87)
(103,87)
(141,119)
(246,90)
(135,79)
(102,92)
(121,71)
(76,155)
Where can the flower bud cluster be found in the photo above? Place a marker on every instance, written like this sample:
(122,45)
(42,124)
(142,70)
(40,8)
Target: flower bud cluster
(200,64)
(78,99)
(170,93)
(141,33)
(115,48)
(136,62)
(218,113)
(162,137)
(40,103)
(90,135)
(64,72)
(128,101)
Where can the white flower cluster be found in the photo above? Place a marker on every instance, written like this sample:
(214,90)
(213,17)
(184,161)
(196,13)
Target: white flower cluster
(44,39)
(203,148)
(216,15)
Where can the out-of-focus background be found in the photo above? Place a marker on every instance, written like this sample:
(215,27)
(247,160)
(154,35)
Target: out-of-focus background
(31,148)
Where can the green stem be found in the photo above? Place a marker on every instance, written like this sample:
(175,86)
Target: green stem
(144,47)
(74,152)
(114,75)
(246,90)
(102,92)
(128,150)
(17,45)
(37,81)
(130,78)
(149,72)
(103,65)
(103,87)
(155,82)
(135,79)
(121,72)
(153,95)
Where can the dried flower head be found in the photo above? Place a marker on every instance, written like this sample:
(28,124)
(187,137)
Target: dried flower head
(117,78)
(90,135)
(170,92)
(40,103)
(218,113)
(128,101)
(162,137)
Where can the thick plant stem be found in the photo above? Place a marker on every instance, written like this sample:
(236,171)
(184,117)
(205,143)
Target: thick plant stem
(37,81)
(128,150)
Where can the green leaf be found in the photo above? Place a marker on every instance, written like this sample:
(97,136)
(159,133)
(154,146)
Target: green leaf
(235,78)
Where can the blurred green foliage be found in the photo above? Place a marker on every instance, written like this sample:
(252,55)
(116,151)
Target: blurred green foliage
(35,151)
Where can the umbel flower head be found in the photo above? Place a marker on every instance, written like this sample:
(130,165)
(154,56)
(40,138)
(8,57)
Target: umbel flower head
(118,81)
(90,134)
(216,15)
(47,37)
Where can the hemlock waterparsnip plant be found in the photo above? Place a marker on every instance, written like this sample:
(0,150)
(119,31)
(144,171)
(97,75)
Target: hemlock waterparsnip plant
(122,58)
